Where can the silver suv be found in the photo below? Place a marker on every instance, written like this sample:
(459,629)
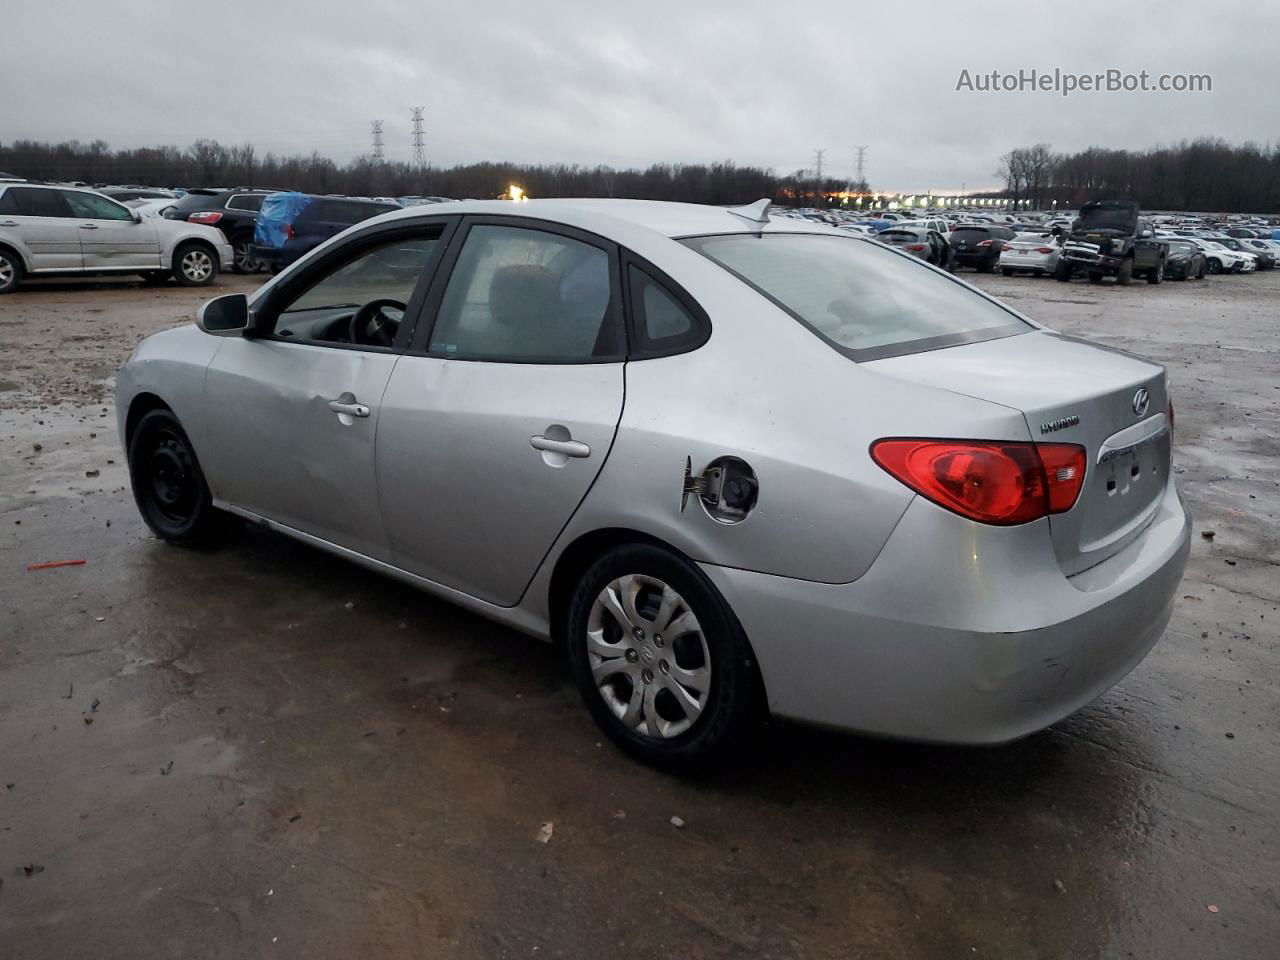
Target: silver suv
(46,230)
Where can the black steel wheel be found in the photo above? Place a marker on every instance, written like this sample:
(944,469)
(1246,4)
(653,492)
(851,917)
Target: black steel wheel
(168,484)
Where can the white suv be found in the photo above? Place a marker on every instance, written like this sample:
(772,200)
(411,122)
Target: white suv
(47,230)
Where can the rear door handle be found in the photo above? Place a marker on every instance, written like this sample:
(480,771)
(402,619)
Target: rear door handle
(570,448)
(9,223)
(88,226)
(347,404)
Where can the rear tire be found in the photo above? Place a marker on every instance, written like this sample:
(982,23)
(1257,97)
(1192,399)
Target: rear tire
(642,688)
(986,266)
(168,484)
(241,261)
(10,271)
(1062,272)
(195,264)
(1006,272)
(1200,275)
(1215,266)
(1156,274)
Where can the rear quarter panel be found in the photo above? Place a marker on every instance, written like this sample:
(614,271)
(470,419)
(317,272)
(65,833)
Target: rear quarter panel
(767,390)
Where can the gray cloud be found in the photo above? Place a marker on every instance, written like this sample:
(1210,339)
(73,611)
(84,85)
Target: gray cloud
(628,84)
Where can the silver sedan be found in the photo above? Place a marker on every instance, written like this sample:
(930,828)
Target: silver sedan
(738,466)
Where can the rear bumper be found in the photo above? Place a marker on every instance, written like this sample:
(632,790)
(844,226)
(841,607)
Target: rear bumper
(1035,261)
(960,634)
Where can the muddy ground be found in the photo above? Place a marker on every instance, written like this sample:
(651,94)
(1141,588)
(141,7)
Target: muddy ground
(264,752)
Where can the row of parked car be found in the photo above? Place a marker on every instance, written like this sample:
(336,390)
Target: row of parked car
(68,229)
(1108,238)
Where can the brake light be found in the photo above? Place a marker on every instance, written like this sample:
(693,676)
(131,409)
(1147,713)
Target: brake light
(987,480)
(1044,250)
(916,246)
(984,243)
(288,231)
(208,217)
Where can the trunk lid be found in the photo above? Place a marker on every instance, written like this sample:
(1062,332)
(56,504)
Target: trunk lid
(1070,391)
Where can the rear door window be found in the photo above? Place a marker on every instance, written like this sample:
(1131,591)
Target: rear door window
(866,301)
(34,202)
(528,295)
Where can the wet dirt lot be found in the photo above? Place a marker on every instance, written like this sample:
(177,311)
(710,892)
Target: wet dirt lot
(262,751)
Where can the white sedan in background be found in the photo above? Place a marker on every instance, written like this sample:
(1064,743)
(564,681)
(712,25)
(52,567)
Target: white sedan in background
(1034,253)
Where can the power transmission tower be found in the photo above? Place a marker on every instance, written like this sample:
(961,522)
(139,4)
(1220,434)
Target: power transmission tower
(862,163)
(376,126)
(817,164)
(419,149)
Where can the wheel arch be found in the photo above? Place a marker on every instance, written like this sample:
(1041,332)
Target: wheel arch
(142,404)
(184,242)
(22,257)
(580,554)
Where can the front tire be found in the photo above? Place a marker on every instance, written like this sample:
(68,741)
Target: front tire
(1200,275)
(195,265)
(1156,274)
(1062,272)
(168,484)
(1125,274)
(660,660)
(1215,266)
(10,271)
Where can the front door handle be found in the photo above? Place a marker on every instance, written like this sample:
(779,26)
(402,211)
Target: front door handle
(88,226)
(346,404)
(9,223)
(569,448)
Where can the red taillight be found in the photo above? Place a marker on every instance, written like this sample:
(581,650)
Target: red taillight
(986,480)
(916,246)
(1044,250)
(208,217)
(984,243)
(288,231)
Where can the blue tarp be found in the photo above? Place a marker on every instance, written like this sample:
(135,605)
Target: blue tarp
(278,211)
(1275,234)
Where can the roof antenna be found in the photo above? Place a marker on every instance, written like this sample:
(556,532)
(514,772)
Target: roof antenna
(757,212)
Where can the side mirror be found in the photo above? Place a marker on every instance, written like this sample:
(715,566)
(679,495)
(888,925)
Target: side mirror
(226,316)
(137,217)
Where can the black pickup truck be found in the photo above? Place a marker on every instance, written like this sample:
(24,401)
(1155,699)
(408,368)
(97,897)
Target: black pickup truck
(1110,239)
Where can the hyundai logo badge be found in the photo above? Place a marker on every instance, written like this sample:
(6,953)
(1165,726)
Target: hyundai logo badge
(1141,400)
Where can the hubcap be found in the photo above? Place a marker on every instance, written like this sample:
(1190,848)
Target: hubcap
(6,272)
(648,656)
(197,265)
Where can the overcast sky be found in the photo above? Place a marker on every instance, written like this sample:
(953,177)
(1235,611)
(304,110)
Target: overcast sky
(595,81)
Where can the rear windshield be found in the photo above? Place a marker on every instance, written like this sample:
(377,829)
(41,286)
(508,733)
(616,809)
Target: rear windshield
(861,297)
(1116,218)
(971,233)
(344,211)
(197,201)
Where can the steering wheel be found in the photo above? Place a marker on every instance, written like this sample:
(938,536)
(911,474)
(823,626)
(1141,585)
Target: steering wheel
(373,326)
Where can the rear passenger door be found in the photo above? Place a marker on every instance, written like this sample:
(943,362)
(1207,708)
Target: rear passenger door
(38,222)
(498,419)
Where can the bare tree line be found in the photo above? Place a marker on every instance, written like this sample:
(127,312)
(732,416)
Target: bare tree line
(210,163)
(1206,174)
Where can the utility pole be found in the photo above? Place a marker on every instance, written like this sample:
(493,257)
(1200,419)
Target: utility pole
(419,150)
(861,164)
(376,127)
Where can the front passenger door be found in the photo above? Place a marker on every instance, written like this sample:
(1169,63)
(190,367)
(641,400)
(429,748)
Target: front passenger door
(109,236)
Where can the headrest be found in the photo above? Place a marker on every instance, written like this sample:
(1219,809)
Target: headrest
(524,294)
